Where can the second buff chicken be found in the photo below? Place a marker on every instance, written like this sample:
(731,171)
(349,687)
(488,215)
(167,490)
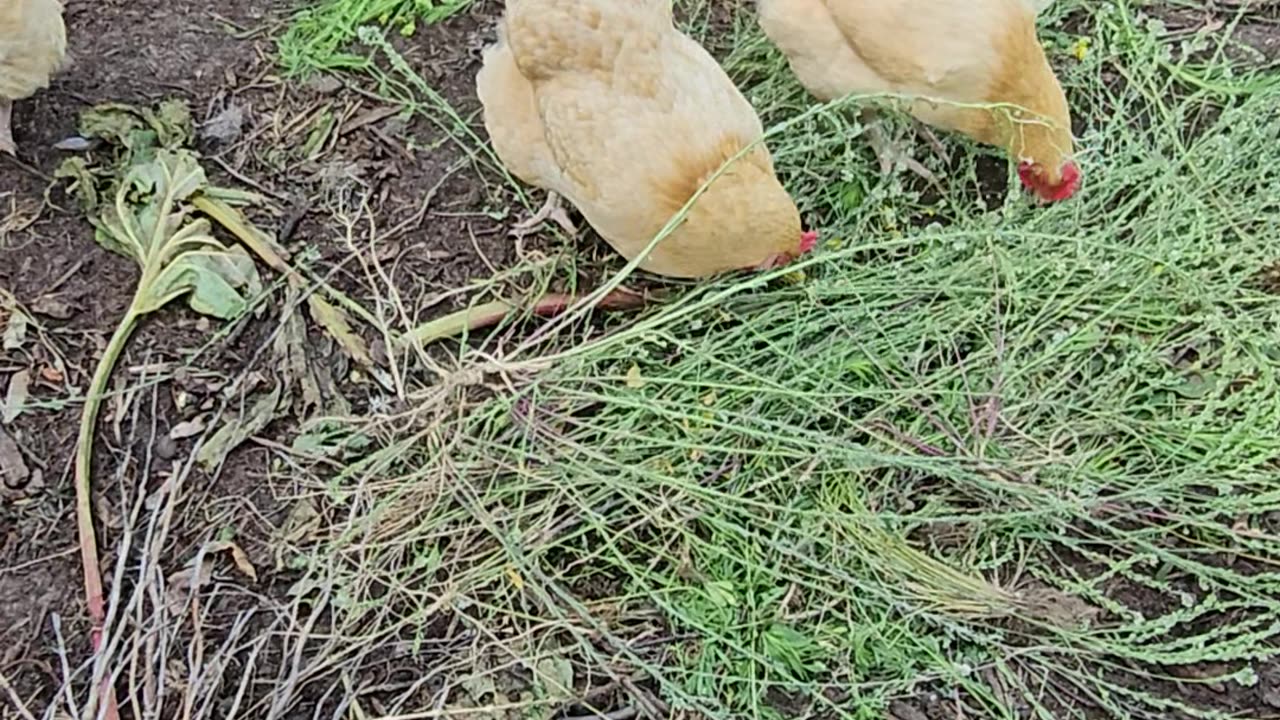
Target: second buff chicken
(608,105)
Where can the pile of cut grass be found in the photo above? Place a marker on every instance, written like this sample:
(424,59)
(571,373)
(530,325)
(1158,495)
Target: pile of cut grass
(319,37)
(1016,460)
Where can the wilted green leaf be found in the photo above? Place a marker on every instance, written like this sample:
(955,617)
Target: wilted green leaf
(149,220)
(556,676)
(116,123)
(328,439)
(84,184)
(178,255)
(211,277)
(336,323)
(135,133)
(140,129)
(171,120)
(237,430)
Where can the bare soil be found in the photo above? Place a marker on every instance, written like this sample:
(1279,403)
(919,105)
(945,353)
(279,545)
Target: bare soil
(216,57)
(139,52)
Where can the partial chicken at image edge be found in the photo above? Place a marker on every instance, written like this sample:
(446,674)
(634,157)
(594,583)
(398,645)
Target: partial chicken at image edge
(607,105)
(961,52)
(33,45)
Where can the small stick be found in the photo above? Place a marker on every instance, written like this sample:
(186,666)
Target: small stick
(492,313)
(56,621)
(13,697)
(625,713)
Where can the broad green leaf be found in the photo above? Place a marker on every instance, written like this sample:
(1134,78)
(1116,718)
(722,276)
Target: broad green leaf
(197,276)
(179,256)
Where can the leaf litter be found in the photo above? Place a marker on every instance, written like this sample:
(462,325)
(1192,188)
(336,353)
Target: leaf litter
(185,582)
(13,467)
(149,199)
(219,280)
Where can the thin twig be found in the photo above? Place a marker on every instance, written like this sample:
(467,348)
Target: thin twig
(13,697)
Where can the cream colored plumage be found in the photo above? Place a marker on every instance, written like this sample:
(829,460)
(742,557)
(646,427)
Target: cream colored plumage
(963,53)
(605,103)
(33,44)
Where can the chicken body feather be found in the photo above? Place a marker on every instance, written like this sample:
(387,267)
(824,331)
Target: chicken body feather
(33,43)
(970,52)
(608,105)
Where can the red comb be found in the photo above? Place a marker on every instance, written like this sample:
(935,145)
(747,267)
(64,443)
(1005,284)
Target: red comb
(808,241)
(1030,176)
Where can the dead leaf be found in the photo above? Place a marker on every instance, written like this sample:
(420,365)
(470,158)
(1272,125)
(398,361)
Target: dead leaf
(13,468)
(291,354)
(53,306)
(1242,527)
(183,582)
(189,428)
(15,331)
(119,402)
(479,685)
(336,322)
(51,374)
(237,430)
(299,525)
(226,126)
(556,673)
(634,380)
(1057,607)
(200,573)
(301,522)
(902,711)
(515,577)
(176,676)
(238,556)
(1271,693)
(16,398)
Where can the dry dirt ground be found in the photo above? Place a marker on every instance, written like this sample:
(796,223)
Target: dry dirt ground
(214,56)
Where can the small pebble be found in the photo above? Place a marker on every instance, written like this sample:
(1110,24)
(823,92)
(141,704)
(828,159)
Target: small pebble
(166,448)
(74,143)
